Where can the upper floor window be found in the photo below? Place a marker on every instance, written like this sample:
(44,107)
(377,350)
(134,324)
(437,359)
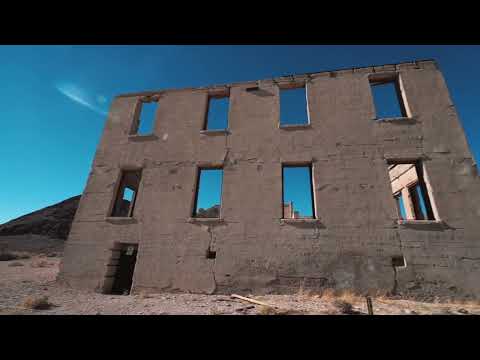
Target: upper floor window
(293,106)
(145,119)
(217,113)
(387,96)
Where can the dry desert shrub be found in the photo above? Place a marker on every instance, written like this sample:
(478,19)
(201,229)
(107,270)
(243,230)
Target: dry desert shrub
(349,296)
(268,310)
(37,303)
(41,264)
(344,307)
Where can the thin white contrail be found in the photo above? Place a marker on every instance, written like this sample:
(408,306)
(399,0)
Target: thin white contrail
(76,94)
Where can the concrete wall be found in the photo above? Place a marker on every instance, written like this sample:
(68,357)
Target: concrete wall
(349,246)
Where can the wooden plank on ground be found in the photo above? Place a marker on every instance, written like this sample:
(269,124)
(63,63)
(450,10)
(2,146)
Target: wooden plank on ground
(252,301)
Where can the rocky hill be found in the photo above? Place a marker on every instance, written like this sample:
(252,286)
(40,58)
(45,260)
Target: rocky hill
(53,221)
(212,212)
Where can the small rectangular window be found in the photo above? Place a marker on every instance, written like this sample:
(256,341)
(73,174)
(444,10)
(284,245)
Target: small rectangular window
(410,191)
(217,114)
(298,200)
(126,194)
(293,107)
(208,193)
(398,261)
(146,118)
(387,98)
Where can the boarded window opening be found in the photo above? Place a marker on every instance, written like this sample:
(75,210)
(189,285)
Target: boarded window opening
(146,118)
(208,193)
(410,191)
(298,197)
(217,113)
(387,98)
(126,194)
(293,106)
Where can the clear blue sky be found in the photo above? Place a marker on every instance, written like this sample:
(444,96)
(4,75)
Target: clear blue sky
(54,98)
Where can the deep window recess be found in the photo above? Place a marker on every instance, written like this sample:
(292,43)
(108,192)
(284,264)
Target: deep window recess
(127,193)
(402,215)
(418,201)
(217,114)
(410,191)
(208,193)
(293,106)
(298,200)
(146,118)
(387,98)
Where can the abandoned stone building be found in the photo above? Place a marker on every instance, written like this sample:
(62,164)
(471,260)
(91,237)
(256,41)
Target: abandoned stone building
(395,198)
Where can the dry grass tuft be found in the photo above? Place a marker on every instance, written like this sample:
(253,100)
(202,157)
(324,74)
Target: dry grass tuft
(463,302)
(39,303)
(332,295)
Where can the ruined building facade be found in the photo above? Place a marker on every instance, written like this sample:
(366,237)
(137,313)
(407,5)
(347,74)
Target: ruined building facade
(396,201)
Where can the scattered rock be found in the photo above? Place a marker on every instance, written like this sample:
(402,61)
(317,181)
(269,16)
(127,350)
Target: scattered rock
(242,309)
(53,221)
(225,299)
(7,256)
(463,311)
(16,263)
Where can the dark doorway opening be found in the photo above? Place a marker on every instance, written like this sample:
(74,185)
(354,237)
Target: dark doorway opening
(123,278)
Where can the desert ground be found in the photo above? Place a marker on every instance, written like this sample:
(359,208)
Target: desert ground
(28,286)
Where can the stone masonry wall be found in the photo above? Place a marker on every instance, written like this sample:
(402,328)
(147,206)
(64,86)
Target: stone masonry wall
(352,243)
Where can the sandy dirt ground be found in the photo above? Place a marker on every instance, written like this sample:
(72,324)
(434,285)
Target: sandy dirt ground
(33,278)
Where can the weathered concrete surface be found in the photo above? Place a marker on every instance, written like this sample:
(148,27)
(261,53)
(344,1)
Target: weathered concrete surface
(352,244)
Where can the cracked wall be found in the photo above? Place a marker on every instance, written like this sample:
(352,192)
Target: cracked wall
(352,243)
